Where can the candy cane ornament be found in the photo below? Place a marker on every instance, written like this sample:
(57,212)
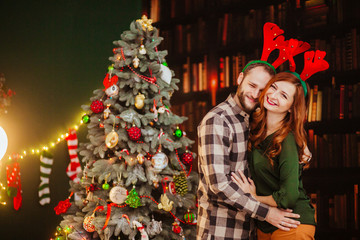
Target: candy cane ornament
(140,227)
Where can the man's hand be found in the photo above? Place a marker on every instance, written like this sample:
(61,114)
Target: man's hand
(282,218)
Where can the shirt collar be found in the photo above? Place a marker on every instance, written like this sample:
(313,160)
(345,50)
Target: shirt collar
(236,108)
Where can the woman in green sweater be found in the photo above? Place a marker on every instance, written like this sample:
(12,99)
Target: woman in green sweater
(277,142)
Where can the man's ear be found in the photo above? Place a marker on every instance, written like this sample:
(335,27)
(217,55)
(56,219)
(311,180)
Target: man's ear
(240,78)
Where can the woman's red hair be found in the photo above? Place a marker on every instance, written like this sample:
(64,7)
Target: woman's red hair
(292,122)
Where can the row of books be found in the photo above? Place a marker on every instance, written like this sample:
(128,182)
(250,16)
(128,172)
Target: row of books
(334,150)
(342,52)
(164,10)
(194,110)
(336,206)
(228,30)
(194,76)
(342,209)
(334,102)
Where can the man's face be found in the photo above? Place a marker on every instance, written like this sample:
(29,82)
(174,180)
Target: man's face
(250,88)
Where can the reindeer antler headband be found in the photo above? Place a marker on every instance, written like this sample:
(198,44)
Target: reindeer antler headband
(313,62)
(273,39)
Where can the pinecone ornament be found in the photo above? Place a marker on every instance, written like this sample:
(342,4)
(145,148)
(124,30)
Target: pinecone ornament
(181,186)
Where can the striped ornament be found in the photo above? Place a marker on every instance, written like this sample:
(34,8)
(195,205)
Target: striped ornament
(74,166)
(46,162)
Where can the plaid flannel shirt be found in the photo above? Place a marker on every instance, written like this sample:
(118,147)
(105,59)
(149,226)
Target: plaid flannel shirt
(225,212)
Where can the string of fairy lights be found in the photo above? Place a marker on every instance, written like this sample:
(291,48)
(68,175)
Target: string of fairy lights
(38,150)
(52,144)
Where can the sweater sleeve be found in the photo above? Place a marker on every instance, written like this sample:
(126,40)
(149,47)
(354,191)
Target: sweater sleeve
(288,193)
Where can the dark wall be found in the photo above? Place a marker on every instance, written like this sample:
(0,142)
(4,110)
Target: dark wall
(53,55)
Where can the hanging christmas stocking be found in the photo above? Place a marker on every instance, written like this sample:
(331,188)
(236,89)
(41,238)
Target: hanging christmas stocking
(74,167)
(46,162)
(14,181)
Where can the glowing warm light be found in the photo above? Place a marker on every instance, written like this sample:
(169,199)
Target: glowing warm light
(76,127)
(37,151)
(32,151)
(66,135)
(52,144)
(3,142)
(25,153)
(62,136)
(81,122)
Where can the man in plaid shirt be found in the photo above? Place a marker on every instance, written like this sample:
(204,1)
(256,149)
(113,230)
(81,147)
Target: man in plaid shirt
(225,212)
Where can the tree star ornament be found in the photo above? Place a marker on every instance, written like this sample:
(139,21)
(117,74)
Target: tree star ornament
(145,23)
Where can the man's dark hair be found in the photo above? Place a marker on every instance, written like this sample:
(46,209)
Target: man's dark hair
(266,67)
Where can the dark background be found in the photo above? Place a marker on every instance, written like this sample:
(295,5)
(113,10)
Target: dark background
(53,55)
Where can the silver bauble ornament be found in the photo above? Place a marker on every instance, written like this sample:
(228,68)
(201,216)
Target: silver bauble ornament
(159,161)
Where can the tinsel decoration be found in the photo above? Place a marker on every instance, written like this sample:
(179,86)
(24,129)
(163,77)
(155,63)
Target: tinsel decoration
(133,199)
(181,186)
(97,106)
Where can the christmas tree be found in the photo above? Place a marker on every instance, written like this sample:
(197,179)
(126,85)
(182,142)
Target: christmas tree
(137,181)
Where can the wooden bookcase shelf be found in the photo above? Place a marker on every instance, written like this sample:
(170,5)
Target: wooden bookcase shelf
(210,41)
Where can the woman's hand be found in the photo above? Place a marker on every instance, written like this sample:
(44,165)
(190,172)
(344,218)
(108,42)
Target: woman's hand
(246,184)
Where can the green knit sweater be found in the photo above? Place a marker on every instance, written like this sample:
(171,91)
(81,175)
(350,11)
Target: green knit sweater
(283,181)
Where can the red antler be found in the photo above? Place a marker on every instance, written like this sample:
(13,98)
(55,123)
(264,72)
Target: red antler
(272,39)
(313,62)
(291,48)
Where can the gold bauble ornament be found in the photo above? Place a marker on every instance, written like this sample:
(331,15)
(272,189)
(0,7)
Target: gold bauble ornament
(131,161)
(112,139)
(139,101)
(136,61)
(140,157)
(142,49)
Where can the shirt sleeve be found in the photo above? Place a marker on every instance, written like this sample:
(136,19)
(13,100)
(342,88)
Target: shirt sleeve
(288,193)
(215,140)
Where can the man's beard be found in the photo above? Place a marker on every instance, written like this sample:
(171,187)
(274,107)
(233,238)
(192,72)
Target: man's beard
(242,99)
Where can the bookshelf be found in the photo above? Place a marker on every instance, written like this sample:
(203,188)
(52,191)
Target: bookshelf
(210,41)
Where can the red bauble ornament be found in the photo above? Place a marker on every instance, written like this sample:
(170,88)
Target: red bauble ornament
(97,106)
(187,158)
(134,133)
(176,228)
